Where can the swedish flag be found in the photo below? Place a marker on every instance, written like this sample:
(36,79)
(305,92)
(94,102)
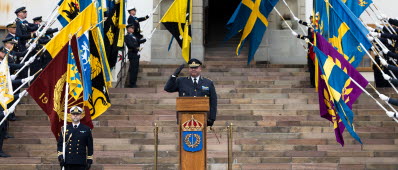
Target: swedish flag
(357,6)
(346,33)
(251,17)
(336,80)
(73,76)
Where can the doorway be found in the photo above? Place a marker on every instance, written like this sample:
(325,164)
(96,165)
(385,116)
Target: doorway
(217,14)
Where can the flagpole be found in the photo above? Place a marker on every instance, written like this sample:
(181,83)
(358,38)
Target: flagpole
(289,26)
(381,70)
(388,29)
(25,65)
(48,17)
(302,29)
(153,11)
(378,103)
(13,105)
(26,82)
(386,22)
(41,33)
(378,93)
(65,113)
(377,51)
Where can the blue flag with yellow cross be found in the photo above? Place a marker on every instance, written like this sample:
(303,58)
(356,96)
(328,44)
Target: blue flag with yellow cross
(346,33)
(251,18)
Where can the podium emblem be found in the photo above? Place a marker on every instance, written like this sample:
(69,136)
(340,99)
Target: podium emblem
(192,135)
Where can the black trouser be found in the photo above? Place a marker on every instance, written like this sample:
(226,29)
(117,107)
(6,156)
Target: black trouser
(2,131)
(133,69)
(311,69)
(75,167)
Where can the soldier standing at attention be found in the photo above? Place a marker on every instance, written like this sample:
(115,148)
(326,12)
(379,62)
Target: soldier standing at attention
(194,85)
(79,147)
(133,44)
(136,22)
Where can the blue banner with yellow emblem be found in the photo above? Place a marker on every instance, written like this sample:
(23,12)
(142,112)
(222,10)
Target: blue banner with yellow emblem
(192,135)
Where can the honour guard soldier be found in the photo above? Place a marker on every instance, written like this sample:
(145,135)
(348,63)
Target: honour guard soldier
(194,85)
(79,147)
(23,27)
(9,44)
(133,44)
(136,22)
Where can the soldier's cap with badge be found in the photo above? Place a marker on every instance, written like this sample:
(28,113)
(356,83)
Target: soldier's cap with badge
(132,9)
(21,9)
(76,110)
(12,24)
(193,63)
(9,40)
(130,25)
(39,18)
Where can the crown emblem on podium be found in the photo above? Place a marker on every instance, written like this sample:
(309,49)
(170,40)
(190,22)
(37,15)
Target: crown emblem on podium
(192,125)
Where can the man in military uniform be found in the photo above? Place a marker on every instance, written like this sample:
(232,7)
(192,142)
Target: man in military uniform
(9,44)
(133,44)
(136,22)
(24,28)
(79,147)
(194,85)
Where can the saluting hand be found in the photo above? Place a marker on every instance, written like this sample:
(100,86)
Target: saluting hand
(178,70)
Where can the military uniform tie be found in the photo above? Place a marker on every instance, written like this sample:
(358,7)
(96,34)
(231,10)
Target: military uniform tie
(195,83)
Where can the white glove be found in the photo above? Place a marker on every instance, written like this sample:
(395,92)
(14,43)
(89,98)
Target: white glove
(11,109)
(296,19)
(384,97)
(386,77)
(31,60)
(380,27)
(13,77)
(22,94)
(389,41)
(385,50)
(391,114)
(370,29)
(383,62)
(33,45)
(371,39)
(28,79)
(375,34)
(294,33)
(381,17)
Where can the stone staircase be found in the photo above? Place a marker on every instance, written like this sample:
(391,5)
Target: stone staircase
(275,116)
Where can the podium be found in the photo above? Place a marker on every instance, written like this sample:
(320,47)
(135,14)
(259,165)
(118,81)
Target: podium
(192,122)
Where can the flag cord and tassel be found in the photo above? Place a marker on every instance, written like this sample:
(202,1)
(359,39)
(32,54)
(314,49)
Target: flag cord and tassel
(289,26)
(385,22)
(302,29)
(13,105)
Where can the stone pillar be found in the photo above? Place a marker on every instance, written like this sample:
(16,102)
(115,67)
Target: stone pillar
(279,46)
(162,37)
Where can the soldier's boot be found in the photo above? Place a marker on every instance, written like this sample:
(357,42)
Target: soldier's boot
(2,154)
